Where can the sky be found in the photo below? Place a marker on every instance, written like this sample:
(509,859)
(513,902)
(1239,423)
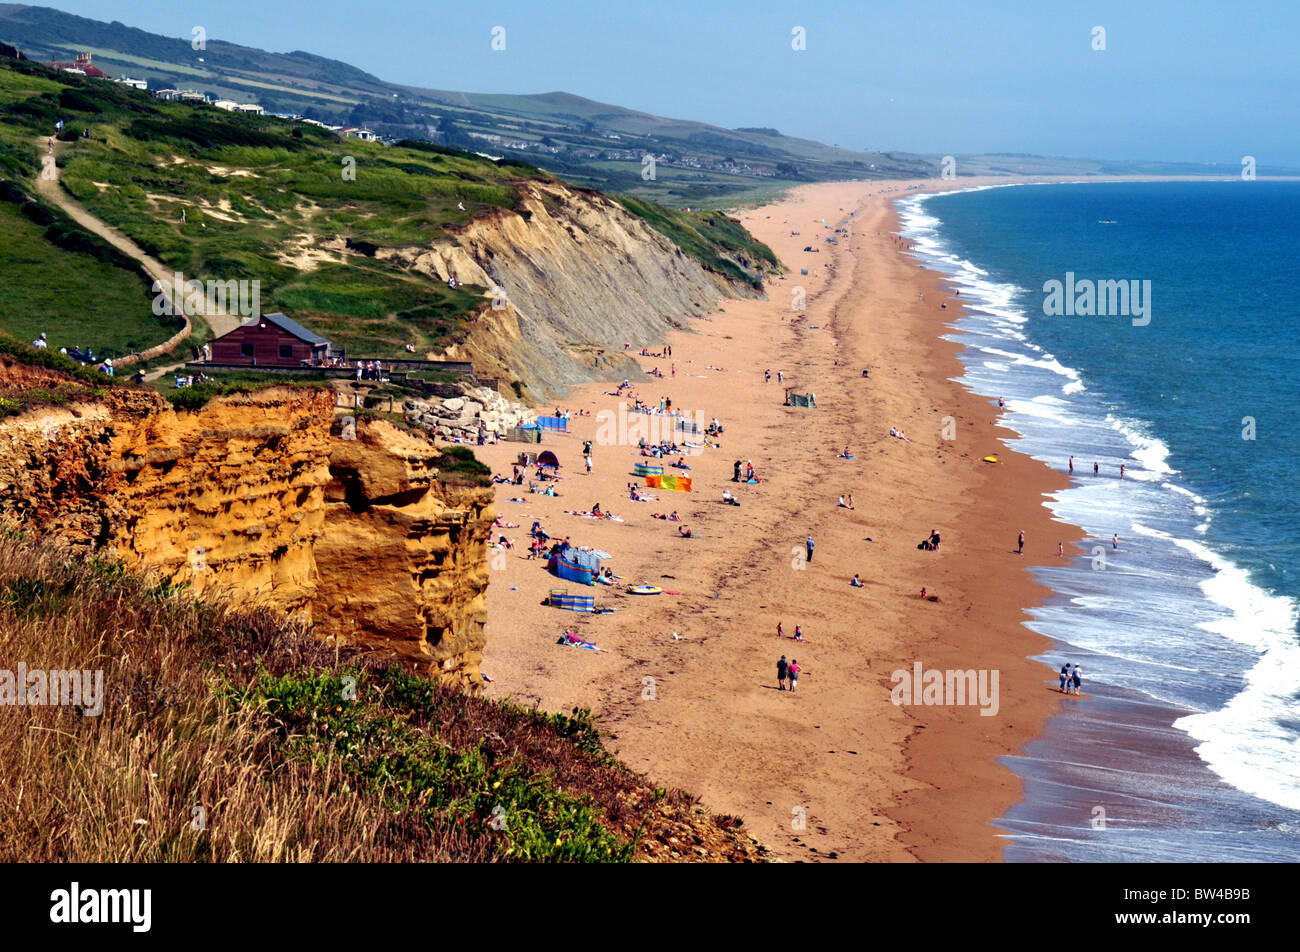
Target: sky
(1177,80)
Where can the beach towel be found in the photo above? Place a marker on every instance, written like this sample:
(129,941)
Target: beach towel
(573,641)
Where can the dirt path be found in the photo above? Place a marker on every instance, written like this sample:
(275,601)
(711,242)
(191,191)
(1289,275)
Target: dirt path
(47,185)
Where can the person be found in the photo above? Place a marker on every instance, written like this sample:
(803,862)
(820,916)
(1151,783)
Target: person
(673,516)
(595,511)
(780,376)
(1076,679)
(586,447)
(1020,542)
(841,503)
(793,672)
(857,582)
(780,673)
(1065,676)
(735,477)
(1114,541)
(1095,469)
(684,532)
(934,540)
(41,342)
(780,632)
(767,376)
(1001,402)
(922,593)
(1060,550)
(1071,465)
(1121,470)
(850,501)
(810,545)
(729,499)
(798,633)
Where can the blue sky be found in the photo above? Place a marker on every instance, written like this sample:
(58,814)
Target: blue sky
(1190,80)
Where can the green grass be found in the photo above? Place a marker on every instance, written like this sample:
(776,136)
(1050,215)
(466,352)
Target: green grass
(233,381)
(718,242)
(384,740)
(74,297)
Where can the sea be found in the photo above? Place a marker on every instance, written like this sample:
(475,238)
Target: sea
(1182,606)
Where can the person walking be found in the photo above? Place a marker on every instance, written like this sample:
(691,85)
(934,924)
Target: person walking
(1121,470)
(793,673)
(780,376)
(780,632)
(1065,677)
(781,667)
(1071,465)
(1095,469)
(767,376)
(1075,680)
(1020,542)
(810,545)
(1114,541)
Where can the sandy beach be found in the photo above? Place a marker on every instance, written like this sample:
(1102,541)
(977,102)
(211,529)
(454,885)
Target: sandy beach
(836,771)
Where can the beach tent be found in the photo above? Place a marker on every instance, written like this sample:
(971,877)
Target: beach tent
(560,598)
(523,434)
(558,423)
(576,566)
(647,469)
(547,458)
(793,399)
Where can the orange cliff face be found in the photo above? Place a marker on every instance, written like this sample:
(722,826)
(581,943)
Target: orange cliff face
(268,497)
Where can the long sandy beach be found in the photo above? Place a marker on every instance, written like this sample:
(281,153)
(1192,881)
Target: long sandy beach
(836,771)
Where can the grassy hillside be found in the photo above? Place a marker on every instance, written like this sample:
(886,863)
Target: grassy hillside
(586,142)
(722,244)
(261,195)
(229,735)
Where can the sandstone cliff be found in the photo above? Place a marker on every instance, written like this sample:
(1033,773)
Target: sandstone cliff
(265,494)
(579,276)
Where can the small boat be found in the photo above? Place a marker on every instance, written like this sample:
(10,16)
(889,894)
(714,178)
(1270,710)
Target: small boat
(1107,221)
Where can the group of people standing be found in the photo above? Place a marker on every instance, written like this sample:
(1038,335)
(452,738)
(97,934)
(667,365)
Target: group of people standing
(787,671)
(1071,680)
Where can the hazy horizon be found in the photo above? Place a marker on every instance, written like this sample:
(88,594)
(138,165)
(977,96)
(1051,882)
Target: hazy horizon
(1176,82)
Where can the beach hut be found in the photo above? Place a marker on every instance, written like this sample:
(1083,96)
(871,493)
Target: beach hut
(560,598)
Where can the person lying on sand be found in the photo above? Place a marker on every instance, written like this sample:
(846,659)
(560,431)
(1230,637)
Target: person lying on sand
(684,532)
(729,499)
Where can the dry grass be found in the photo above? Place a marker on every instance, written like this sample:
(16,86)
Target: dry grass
(228,735)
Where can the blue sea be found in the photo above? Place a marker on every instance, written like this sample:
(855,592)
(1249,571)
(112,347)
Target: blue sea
(1187,745)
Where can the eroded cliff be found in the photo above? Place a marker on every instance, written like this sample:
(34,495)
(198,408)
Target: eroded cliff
(578,276)
(267,495)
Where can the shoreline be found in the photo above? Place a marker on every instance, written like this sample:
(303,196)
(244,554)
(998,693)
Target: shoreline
(875,781)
